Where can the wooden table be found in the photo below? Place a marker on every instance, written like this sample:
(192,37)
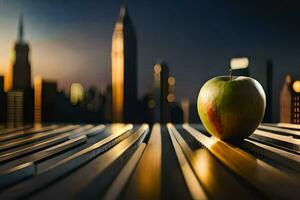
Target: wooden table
(126,161)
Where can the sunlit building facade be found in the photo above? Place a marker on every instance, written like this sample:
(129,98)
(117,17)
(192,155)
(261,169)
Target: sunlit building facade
(124,69)
(290,101)
(15,108)
(44,100)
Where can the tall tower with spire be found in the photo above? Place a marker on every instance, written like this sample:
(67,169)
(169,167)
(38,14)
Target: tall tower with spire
(21,70)
(19,90)
(124,69)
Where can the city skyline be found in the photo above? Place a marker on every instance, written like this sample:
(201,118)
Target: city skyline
(237,37)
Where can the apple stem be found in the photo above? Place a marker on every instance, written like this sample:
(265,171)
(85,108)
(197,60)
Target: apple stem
(230,72)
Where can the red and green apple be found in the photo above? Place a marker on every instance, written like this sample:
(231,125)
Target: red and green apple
(231,108)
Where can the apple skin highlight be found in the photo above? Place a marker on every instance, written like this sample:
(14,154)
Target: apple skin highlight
(231,108)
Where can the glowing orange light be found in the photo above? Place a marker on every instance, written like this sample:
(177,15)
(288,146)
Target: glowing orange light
(296,86)
(171,98)
(171,80)
(157,68)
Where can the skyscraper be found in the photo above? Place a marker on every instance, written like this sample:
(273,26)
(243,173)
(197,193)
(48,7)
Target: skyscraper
(44,100)
(21,70)
(20,93)
(124,69)
(2,101)
(15,108)
(290,101)
(262,71)
(161,91)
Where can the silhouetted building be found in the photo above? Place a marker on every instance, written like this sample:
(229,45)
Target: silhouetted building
(146,108)
(176,114)
(95,105)
(290,101)
(124,69)
(108,104)
(185,105)
(262,71)
(44,100)
(161,91)
(171,90)
(193,113)
(3,105)
(92,102)
(20,93)
(21,69)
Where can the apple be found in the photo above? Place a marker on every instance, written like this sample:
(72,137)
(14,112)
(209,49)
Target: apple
(231,107)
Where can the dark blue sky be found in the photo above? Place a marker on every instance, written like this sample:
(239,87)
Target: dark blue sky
(71,39)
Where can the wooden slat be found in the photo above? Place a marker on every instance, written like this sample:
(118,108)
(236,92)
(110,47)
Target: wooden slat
(287,125)
(191,180)
(26,132)
(285,158)
(217,181)
(146,180)
(120,181)
(26,149)
(75,159)
(15,174)
(89,132)
(37,137)
(89,175)
(65,166)
(40,155)
(93,185)
(10,130)
(256,172)
(32,159)
(285,142)
(92,140)
(283,131)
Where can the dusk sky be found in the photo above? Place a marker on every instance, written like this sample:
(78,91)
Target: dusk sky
(71,39)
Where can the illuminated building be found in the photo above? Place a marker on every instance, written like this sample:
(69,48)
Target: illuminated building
(20,93)
(76,94)
(161,92)
(124,69)
(15,108)
(290,101)
(44,100)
